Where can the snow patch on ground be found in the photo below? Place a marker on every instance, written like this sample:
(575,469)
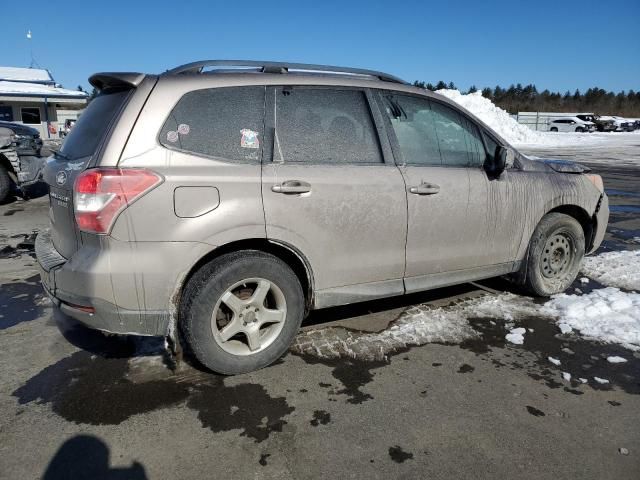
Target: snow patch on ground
(615,269)
(565,328)
(615,359)
(607,315)
(553,360)
(516,336)
(419,325)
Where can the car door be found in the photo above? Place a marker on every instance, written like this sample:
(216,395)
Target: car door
(434,151)
(332,192)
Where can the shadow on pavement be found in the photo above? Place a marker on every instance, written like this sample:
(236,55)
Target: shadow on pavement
(86,456)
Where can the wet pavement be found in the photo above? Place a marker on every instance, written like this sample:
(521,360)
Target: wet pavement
(75,403)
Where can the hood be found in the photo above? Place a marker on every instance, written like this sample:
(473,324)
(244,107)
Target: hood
(20,129)
(564,166)
(536,164)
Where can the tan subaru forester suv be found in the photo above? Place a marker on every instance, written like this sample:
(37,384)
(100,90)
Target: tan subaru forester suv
(221,201)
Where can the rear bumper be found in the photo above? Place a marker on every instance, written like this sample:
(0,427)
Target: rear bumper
(82,287)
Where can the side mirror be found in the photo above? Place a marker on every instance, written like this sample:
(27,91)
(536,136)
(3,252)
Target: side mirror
(504,158)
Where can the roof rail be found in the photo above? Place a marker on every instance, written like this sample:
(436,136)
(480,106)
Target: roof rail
(281,67)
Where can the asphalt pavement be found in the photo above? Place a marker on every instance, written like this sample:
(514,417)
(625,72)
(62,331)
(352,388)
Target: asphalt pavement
(75,403)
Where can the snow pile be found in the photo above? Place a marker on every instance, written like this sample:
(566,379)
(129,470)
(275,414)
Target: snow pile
(615,269)
(519,134)
(607,315)
(494,116)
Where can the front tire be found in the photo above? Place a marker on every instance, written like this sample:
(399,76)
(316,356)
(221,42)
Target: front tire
(555,254)
(553,129)
(242,311)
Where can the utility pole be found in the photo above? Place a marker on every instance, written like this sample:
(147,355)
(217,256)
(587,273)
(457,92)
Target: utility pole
(33,60)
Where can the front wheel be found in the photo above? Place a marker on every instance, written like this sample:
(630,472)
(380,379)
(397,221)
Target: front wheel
(553,129)
(579,130)
(555,254)
(242,311)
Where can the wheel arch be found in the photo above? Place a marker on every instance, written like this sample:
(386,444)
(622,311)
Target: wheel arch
(6,163)
(285,252)
(587,222)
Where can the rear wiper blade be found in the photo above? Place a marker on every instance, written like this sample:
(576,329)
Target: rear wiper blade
(59,154)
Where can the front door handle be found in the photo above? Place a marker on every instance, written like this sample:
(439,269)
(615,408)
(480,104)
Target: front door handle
(425,189)
(291,186)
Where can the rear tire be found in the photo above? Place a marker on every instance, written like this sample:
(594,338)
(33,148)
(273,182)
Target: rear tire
(5,184)
(554,255)
(242,311)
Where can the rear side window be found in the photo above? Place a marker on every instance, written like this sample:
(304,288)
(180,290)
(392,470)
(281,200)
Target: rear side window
(225,123)
(92,126)
(459,139)
(324,126)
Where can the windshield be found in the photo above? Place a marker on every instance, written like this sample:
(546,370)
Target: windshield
(91,127)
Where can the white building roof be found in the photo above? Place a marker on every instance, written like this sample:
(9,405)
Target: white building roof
(38,90)
(19,74)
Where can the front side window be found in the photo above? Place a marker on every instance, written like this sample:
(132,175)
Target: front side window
(414,127)
(225,123)
(430,133)
(318,125)
(31,115)
(459,139)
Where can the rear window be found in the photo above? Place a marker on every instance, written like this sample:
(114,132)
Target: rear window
(225,123)
(91,127)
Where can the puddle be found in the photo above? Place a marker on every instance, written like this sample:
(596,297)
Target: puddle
(21,301)
(624,209)
(13,211)
(320,417)
(90,389)
(24,247)
(398,455)
(353,374)
(579,357)
(620,193)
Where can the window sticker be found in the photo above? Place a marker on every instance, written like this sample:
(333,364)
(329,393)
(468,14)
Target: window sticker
(172,136)
(184,129)
(249,139)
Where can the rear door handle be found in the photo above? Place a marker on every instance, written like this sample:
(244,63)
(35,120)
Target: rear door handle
(425,189)
(291,186)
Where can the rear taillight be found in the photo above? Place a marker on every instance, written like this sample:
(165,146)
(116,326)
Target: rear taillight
(100,194)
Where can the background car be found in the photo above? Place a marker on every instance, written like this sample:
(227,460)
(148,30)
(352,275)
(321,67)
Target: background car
(601,124)
(20,160)
(27,139)
(621,124)
(571,124)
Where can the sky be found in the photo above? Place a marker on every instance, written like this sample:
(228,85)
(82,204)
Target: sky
(557,45)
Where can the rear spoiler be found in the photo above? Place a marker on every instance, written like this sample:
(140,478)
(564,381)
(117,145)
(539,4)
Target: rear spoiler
(116,79)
